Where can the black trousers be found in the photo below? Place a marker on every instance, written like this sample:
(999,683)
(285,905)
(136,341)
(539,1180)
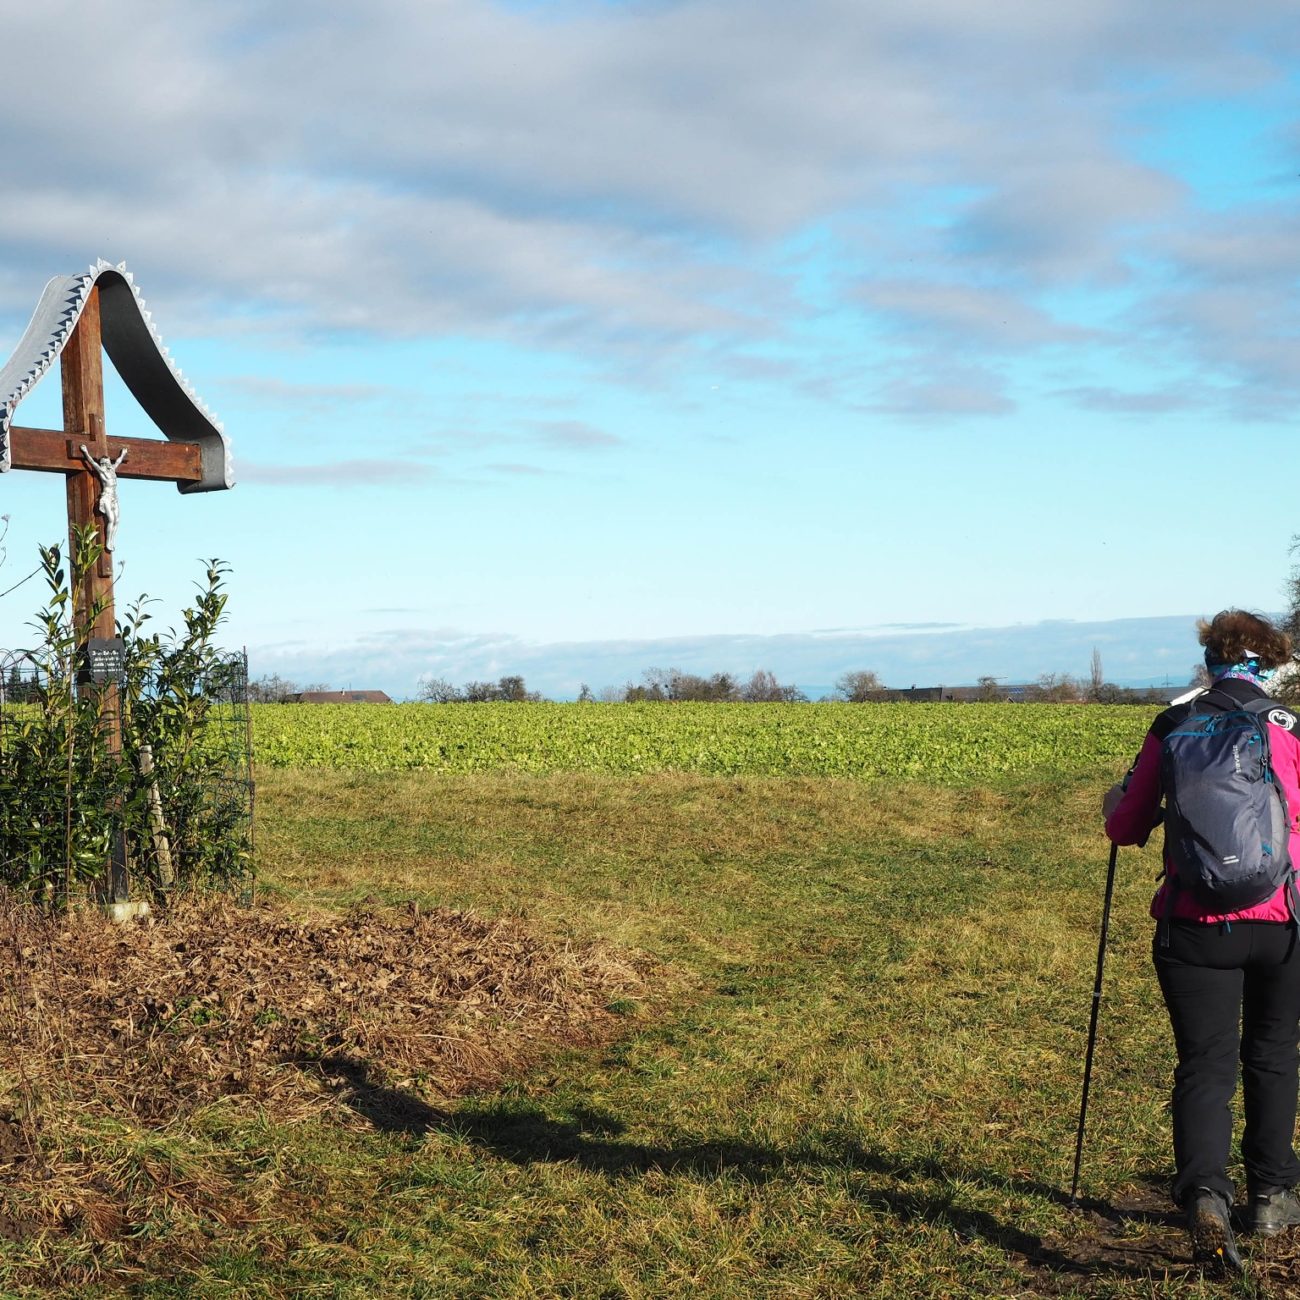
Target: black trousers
(1232,994)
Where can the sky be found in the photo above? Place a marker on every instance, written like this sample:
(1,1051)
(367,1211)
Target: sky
(575,339)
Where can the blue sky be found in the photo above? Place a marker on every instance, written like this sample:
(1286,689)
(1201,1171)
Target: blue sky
(576,339)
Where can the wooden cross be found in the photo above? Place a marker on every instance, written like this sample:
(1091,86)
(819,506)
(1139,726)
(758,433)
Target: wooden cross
(70,322)
(58,451)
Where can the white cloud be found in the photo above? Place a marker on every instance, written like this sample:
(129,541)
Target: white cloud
(620,177)
(967,314)
(1058,217)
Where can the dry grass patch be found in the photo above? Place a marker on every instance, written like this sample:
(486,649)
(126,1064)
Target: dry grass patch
(666,861)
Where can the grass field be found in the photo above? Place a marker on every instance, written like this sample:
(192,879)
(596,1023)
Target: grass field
(856,1073)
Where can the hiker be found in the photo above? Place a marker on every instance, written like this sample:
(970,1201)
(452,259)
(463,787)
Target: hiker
(1222,960)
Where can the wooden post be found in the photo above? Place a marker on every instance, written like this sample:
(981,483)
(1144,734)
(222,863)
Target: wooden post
(157,826)
(82,372)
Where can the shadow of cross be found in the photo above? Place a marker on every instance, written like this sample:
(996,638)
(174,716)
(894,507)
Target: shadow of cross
(78,318)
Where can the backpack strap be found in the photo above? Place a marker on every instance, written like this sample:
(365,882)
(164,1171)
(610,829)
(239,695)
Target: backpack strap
(1171,897)
(1278,714)
(1230,701)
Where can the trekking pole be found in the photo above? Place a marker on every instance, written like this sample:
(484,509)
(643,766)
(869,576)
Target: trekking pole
(1092,1024)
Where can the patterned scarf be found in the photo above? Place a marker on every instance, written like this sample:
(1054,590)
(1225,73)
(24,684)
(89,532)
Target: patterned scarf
(1247,671)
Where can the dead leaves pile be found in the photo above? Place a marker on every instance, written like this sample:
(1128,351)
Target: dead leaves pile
(286,1014)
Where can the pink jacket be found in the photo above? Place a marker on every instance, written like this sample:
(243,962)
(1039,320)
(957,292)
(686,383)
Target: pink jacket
(1138,811)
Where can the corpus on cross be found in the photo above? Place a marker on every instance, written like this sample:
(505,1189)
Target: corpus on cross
(108,505)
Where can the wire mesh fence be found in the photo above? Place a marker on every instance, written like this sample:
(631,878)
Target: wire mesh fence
(210,811)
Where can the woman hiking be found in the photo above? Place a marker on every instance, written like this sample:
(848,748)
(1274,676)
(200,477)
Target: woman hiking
(1228,962)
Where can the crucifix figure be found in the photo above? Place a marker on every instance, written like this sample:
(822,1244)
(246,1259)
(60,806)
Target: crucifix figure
(108,504)
(78,318)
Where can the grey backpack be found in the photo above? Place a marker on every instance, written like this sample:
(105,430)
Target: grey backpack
(1226,822)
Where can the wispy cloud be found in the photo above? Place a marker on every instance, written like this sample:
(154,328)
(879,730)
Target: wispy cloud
(1114,401)
(509,467)
(340,473)
(574,435)
(267,389)
(970,314)
(943,390)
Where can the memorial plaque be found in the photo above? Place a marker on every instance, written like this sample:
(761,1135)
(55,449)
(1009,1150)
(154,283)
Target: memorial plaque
(106,659)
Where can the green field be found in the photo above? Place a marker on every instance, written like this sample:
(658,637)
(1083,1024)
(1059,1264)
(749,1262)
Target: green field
(940,742)
(857,1073)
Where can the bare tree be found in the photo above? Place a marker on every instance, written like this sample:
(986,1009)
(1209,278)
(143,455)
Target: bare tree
(763,688)
(659,683)
(718,689)
(1287,684)
(513,691)
(1291,624)
(856,687)
(1054,688)
(271,688)
(673,684)
(508,690)
(1096,677)
(438,690)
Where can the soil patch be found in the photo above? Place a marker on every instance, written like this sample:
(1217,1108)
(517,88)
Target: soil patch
(1143,1235)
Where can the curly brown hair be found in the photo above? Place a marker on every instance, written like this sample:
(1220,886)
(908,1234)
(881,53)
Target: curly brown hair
(1232,633)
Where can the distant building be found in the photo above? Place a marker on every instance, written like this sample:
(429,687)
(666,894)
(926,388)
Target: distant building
(914,694)
(1016,693)
(340,697)
(1011,692)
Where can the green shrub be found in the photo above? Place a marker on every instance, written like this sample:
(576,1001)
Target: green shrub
(166,790)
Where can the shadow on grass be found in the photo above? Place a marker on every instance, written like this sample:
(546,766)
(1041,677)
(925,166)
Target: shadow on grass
(524,1134)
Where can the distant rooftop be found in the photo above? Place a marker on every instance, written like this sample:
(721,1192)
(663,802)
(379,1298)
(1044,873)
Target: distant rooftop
(341,697)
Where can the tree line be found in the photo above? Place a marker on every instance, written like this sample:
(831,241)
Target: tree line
(858,686)
(672,685)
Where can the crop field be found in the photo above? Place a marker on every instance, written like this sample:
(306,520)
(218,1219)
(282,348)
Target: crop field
(837,1052)
(925,741)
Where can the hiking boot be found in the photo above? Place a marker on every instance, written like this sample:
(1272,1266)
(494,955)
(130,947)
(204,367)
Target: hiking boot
(1270,1209)
(1207,1221)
